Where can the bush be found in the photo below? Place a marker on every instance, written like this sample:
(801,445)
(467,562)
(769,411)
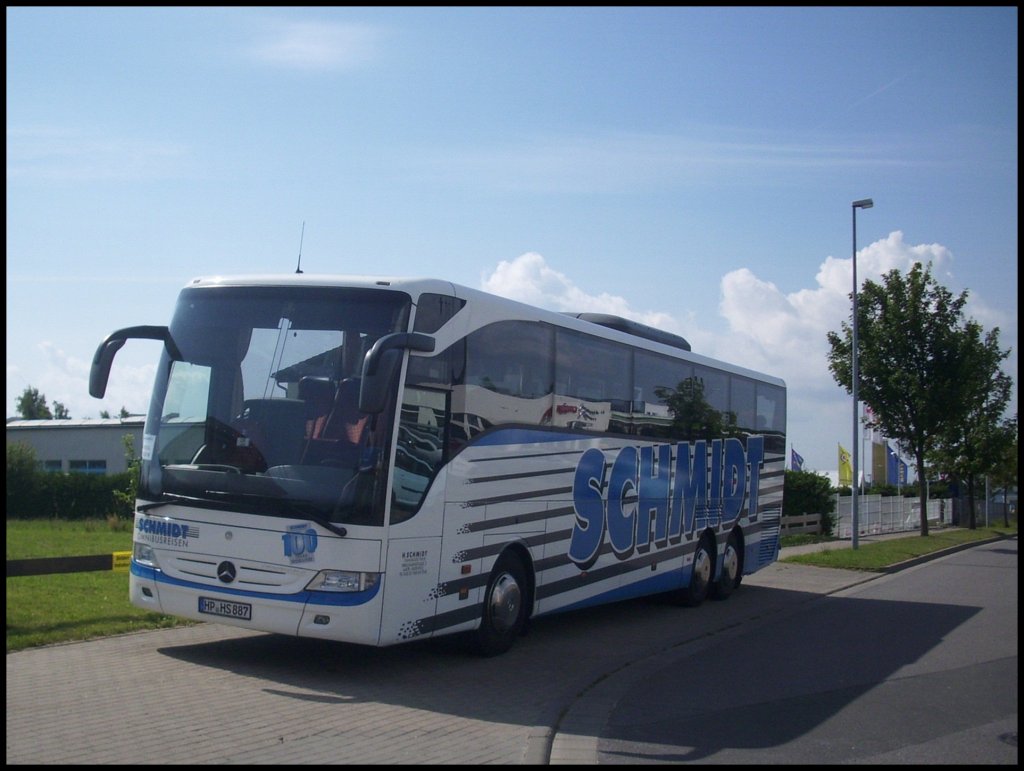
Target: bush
(21,472)
(805,492)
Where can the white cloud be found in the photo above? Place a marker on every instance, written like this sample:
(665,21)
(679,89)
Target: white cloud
(317,46)
(529,279)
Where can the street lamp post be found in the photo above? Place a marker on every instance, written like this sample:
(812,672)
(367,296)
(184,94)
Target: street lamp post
(865,203)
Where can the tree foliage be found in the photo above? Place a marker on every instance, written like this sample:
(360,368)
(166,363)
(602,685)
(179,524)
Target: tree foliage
(1004,472)
(125,499)
(122,414)
(975,447)
(922,366)
(32,405)
(805,492)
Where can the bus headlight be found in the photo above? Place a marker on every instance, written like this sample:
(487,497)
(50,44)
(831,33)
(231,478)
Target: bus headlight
(342,581)
(144,554)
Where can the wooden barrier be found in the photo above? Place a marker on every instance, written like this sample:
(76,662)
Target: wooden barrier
(804,523)
(117,561)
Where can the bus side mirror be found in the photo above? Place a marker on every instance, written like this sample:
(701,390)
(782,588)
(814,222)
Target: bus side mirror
(381,365)
(99,373)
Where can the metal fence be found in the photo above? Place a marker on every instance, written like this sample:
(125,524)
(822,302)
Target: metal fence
(886,514)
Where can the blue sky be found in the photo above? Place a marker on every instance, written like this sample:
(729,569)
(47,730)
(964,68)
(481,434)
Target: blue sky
(691,168)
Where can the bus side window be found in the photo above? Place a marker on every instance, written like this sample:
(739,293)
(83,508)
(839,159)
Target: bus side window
(599,374)
(658,380)
(771,408)
(420,451)
(742,402)
(514,361)
(713,388)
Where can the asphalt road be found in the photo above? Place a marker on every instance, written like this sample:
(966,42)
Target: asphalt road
(640,681)
(917,667)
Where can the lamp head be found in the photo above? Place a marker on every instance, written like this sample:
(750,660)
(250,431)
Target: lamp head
(865,203)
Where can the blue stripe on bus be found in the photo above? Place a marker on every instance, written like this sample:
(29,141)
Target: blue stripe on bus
(303,597)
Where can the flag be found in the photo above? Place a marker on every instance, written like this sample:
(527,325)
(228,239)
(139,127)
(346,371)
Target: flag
(878,461)
(892,469)
(845,468)
(796,460)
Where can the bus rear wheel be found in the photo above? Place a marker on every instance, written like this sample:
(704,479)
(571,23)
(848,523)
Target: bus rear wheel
(732,569)
(504,611)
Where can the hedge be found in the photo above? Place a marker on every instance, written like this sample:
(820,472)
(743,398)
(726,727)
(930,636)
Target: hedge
(68,496)
(34,494)
(41,495)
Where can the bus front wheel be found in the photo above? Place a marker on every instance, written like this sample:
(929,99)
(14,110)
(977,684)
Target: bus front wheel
(504,611)
(700,577)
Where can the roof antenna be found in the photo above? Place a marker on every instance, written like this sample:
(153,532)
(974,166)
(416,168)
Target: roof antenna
(298,269)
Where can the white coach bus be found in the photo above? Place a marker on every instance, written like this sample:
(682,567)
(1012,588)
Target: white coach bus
(384,460)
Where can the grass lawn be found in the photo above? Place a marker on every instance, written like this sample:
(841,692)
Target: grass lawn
(71,606)
(879,555)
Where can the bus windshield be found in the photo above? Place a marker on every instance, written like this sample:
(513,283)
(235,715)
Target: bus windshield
(260,412)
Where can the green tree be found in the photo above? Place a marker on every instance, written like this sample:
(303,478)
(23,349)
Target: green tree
(1004,471)
(60,411)
(969,450)
(32,405)
(915,351)
(804,492)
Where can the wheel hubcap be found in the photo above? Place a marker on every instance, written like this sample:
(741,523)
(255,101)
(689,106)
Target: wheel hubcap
(702,567)
(506,600)
(731,564)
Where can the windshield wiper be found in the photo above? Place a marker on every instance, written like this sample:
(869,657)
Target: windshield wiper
(289,506)
(322,521)
(166,498)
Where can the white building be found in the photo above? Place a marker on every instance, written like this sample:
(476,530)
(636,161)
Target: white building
(88,446)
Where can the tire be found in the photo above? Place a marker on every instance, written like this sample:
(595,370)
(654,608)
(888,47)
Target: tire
(732,569)
(700,578)
(505,603)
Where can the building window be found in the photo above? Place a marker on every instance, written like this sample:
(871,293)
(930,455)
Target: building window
(53,466)
(88,466)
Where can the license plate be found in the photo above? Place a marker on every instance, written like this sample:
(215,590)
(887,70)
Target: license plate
(242,610)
